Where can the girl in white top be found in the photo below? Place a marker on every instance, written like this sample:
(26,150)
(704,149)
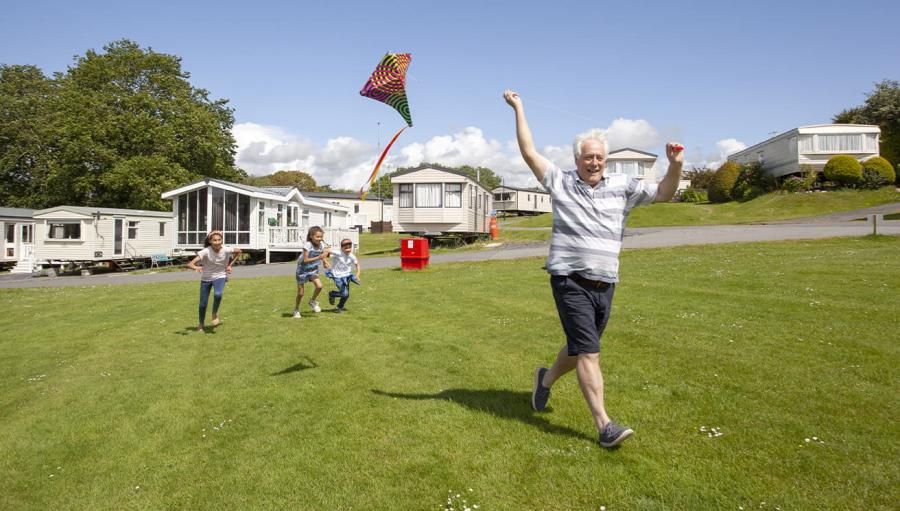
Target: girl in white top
(213,263)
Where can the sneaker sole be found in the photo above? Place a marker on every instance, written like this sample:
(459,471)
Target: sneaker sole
(621,438)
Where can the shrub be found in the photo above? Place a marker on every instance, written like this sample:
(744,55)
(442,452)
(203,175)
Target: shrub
(723,181)
(692,194)
(752,181)
(872,180)
(881,166)
(700,177)
(843,169)
(793,184)
(800,183)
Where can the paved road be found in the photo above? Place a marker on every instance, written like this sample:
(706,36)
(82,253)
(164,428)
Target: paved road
(646,237)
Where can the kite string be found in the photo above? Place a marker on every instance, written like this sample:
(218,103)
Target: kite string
(531,100)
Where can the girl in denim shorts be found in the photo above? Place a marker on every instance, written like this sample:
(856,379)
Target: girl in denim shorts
(314,251)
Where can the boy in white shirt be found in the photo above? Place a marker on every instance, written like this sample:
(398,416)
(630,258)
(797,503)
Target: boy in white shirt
(342,272)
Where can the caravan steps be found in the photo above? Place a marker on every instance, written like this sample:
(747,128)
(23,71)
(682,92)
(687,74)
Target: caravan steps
(124,264)
(25,266)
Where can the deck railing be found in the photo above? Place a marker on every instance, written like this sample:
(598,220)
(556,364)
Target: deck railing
(295,237)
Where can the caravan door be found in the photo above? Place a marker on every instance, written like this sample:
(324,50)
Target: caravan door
(118,244)
(26,240)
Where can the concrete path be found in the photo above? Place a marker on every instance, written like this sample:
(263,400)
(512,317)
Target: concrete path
(646,237)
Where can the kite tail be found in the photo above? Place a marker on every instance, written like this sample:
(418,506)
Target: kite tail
(365,189)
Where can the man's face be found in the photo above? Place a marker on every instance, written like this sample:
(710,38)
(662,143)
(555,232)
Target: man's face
(591,163)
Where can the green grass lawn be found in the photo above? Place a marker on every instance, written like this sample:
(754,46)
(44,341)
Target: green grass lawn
(774,206)
(109,401)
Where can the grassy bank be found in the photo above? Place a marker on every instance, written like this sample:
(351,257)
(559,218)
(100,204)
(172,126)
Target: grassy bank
(774,206)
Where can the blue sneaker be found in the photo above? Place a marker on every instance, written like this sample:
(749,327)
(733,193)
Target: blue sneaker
(541,394)
(613,434)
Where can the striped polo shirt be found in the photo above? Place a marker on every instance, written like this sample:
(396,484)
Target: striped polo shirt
(589,223)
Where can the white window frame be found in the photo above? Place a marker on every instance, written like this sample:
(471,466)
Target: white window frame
(50,225)
(132,227)
(439,195)
(449,194)
(406,195)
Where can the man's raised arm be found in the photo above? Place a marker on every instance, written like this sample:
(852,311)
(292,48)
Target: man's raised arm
(537,163)
(669,184)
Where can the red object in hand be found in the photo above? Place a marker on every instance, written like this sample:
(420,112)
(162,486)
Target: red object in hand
(678,147)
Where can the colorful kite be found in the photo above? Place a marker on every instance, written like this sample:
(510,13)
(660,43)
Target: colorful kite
(388,85)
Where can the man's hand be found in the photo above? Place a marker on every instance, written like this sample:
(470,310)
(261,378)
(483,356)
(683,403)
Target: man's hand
(537,163)
(675,152)
(228,269)
(512,99)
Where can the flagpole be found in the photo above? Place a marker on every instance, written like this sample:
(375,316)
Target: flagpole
(380,198)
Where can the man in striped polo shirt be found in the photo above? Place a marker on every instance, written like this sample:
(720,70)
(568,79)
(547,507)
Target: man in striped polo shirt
(589,213)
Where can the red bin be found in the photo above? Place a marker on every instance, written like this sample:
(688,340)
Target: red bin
(413,253)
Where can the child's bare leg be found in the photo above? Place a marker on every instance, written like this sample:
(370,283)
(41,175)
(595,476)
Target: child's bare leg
(318,284)
(299,297)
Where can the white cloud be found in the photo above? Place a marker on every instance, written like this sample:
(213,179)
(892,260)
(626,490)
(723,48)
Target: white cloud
(344,162)
(636,134)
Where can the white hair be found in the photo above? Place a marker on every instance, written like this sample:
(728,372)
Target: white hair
(591,134)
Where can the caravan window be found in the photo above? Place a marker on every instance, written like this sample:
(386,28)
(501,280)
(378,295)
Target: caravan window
(64,230)
(406,193)
(162,229)
(132,229)
(191,224)
(428,195)
(835,143)
(10,233)
(453,195)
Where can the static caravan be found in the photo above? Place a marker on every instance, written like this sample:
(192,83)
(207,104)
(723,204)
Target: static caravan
(633,163)
(17,248)
(363,213)
(431,200)
(521,201)
(85,235)
(261,220)
(810,147)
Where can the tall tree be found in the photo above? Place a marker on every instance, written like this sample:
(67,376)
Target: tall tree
(882,107)
(24,133)
(301,180)
(124,125)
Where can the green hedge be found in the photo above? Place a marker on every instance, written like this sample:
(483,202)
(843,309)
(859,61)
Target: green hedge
(882,166)
(843,169)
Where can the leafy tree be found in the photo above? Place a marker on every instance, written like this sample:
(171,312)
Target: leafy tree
(882,107)
(115,113)
(488,179)
(382,186)
(301,180)
(25,134)
(700,177)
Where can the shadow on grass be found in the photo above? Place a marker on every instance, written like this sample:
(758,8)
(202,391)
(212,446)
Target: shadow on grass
(192,330)
(299,366)
(505,404)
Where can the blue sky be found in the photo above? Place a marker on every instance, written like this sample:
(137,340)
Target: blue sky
(713,75)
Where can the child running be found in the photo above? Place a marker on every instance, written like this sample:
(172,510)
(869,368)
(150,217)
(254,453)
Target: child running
(214,267)
(342,272)
(308,268)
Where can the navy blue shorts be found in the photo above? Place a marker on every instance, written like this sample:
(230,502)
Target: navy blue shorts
(583,311)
